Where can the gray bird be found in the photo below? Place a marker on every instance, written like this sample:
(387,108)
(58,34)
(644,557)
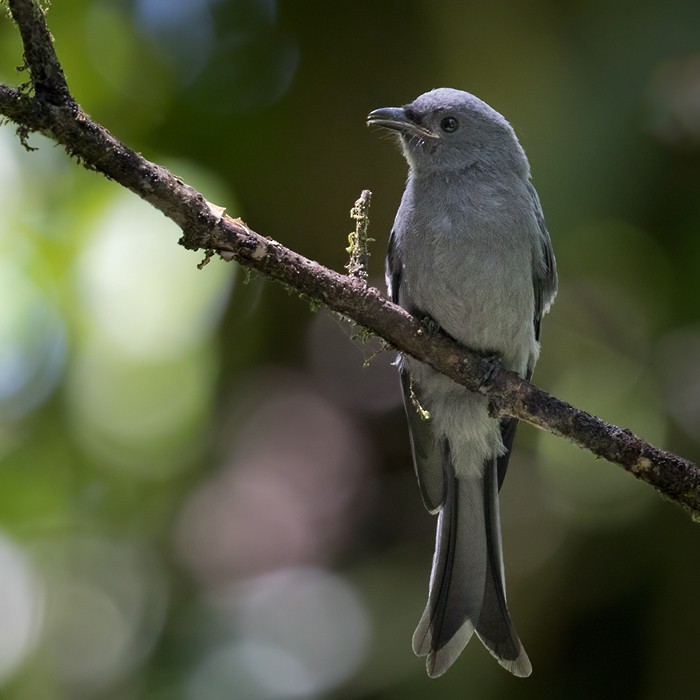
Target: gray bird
(469,253)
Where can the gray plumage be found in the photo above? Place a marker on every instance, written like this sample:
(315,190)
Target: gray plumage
(470,253)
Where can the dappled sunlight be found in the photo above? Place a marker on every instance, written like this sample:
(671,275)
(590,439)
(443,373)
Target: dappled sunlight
(10,179)
(104,608)
(295,473)
(142,293)
(32,343)
(21,606)
(290,634)
(141,418)
(144,370)
(293,485)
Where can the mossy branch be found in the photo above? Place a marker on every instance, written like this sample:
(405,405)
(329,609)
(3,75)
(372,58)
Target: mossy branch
(50,109)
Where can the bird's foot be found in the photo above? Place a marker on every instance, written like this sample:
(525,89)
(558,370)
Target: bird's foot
(494,360)
(430,325)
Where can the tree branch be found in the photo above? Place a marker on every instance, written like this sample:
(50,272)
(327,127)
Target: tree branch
(50,109)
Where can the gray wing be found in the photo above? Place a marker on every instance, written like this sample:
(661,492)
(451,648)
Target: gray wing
(544,273)
(426,450)
(544,280)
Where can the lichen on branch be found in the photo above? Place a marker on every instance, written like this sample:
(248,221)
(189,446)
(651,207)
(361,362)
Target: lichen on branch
(359,239)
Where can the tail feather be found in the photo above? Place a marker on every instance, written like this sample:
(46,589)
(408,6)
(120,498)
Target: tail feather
(495,628)
(467,590)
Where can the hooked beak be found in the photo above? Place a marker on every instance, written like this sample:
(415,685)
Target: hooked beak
(396,118)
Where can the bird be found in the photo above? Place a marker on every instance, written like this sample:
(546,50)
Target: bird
(469,254)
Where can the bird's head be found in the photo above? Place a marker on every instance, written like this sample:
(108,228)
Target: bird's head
(451,130)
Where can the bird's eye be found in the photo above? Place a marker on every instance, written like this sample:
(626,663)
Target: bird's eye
(449,124)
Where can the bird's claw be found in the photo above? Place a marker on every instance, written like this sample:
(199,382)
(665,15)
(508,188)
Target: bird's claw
(430,325)
(494,361)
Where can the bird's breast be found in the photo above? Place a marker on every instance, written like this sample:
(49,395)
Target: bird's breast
(470,269)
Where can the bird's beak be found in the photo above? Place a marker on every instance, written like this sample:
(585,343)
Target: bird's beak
(396,118)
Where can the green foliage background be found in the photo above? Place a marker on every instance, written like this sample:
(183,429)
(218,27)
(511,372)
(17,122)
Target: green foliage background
(203,493)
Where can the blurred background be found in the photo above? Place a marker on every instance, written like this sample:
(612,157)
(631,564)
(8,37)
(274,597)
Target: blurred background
(204,492)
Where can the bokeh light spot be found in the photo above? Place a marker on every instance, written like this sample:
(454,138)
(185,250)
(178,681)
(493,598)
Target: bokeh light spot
(105,606)
(296,633)
(143,292)
(32,343)
(21,607)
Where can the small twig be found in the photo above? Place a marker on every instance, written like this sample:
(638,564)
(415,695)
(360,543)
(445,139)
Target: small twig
(359,239)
